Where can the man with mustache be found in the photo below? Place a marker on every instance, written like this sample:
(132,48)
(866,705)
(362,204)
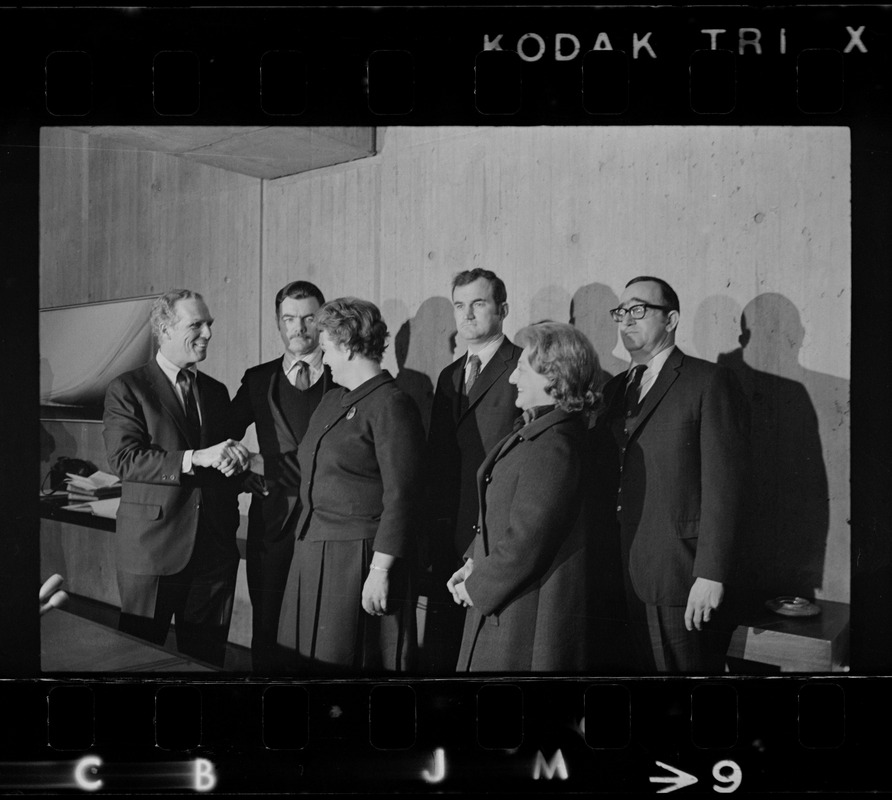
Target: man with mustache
(176,554)
(279,397)
(473,409)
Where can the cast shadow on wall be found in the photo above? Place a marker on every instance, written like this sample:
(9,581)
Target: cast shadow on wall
(784,550)
(589,312)
(423,346)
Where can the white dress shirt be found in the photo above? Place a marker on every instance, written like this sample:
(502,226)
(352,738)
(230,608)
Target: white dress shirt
(653,370)
(313,361)
(171,370)
(485,355)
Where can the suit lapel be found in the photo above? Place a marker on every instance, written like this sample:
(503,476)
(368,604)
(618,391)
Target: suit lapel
(458,375)
(496,367)
(167,398)
(204,404)
(668,375)
(507,444)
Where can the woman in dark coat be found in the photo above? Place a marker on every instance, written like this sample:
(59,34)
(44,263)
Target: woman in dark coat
(360,460)
(526,578)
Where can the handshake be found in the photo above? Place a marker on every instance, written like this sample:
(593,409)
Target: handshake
(230,457)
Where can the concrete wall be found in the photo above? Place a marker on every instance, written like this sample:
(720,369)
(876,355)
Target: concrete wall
(751,226)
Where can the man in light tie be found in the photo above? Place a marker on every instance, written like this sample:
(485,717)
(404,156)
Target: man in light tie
(473,409)
(278,397)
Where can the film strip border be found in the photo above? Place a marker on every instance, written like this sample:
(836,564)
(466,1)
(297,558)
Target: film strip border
(505,736)
(419,65)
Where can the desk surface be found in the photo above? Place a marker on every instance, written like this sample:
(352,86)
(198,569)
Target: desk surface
(51,508)
(73,644)
(827,625)
(795,644)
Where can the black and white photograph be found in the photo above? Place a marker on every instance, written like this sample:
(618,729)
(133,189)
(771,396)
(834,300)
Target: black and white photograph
(418,442)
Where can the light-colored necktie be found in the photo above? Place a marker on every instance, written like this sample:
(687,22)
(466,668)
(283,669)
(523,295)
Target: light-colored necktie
(473,372)
(302,376)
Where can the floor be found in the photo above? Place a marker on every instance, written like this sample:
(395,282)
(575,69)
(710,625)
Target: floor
(238,659)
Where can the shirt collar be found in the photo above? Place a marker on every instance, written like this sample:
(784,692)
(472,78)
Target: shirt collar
(170,369)
(313,360)
(656,362)
(486,352)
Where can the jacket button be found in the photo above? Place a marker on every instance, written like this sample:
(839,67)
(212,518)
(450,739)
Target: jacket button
(619,508)
(487,478)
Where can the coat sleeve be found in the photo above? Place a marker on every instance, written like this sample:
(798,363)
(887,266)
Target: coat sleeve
(399,447)
(241,410)
(133,453)
(724,466)
(443,458)
(540,516)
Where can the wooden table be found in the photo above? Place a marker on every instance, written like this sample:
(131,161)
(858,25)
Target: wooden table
(73,644)
(796,644)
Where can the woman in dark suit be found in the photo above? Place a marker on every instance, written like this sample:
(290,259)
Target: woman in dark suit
(360,463)
(526,578)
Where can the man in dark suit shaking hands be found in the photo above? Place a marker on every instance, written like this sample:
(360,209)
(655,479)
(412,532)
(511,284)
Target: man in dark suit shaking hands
(473,409)
(680,428)
(279,397)
(176,555)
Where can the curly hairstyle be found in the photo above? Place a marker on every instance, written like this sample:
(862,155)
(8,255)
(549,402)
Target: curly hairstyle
(566,357)
(356,324)
(164,311)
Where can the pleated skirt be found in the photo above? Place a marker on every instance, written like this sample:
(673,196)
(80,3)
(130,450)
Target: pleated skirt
(323,622)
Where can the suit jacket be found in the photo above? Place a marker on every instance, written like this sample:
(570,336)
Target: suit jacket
(531,580)
(256,402)
(361,464)
(145,438)
(459,441)
(683,479)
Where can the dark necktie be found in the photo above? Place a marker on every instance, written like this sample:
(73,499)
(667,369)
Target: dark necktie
(302,377)
(632,389)
(473,372)
(184,382)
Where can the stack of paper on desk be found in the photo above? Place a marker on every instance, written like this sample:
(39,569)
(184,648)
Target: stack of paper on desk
(101,508)
(98,486)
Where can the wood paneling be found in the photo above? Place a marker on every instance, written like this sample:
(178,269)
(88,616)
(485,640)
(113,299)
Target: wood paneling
(128,223)
(323,227)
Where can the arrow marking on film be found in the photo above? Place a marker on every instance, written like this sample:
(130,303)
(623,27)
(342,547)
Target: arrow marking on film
(679,780)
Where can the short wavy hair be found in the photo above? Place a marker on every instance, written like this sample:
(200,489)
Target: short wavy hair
(356,324)
(299,290)
(567,359)
(164,311)
(499,292)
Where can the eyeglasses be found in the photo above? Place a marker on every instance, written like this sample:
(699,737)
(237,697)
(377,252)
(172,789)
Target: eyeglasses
(635,312)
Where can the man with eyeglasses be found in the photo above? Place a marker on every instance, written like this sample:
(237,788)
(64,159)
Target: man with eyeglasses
(675,435)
